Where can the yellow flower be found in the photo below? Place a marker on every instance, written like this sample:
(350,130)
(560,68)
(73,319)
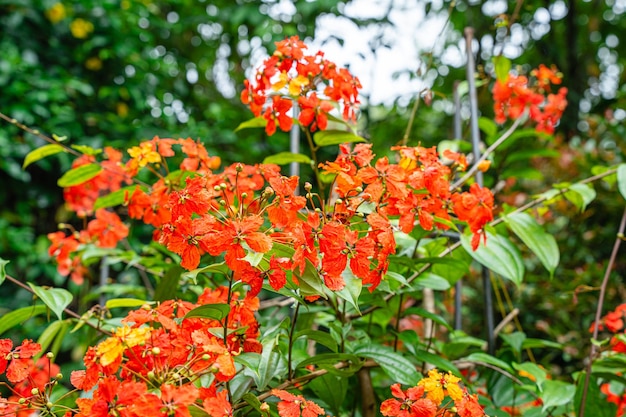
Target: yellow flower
(56,13)
(125,337)
(295,85)
(81,28)
(94,64)
(438,385)
(144,154)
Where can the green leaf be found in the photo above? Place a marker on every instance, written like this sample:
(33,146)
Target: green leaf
(124,302)
(168,284)
(331,389)
(595,403)
(310,282)
(532,234)
(40,153)
(502,66)
(252,401)
(79,175)
(48,335)
(336,137)
(352,289)
(210,311)
(3,272)
(621,179)
(284,158)
(395,365)
(481,357)
(329,360)
(216,268)
(55,298)
(432,281)
(488,126)
(515,340)
(532,369)
(318,336)
(555,393)
(115,198)
(252,123)
(268,363)
(581,195)
(19,316)
(436,360)
(428,315)
(87,150)
(499,255)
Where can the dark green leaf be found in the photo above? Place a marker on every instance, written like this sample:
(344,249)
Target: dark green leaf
(252,401)
(210,311)
(488,126)
(541,243)
(436,360)
(352,289)
(499,255)
(596,403)
(268,364)
(335,137)
(539,374)
(331,389)
(79,175)
(19,316)
(252,123)
(515,340)
(55,298)
(168,284)
(40,153)
(284,158)
(395,365)
(318,336)
(329,360)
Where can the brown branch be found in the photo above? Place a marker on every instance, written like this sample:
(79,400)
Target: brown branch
(66,310)
(596,322)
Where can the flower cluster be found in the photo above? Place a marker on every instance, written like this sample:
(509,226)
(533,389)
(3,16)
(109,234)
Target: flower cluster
(516,93)
(615,322)
(166,360)
(254,210)
(426,399)
(31,380)
(291,75)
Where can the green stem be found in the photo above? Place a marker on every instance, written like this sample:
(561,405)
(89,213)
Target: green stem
(291,333)
(316,171)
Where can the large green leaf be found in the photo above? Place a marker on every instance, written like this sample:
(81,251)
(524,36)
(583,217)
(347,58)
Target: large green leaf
(432,281)
(335,137)
(55,298)
(19,316)
(284,158)
(395,365)
(268,363)
(52,332)
(578,194)
(318,336)
(481,357)
(40,153)
(499,255)
(532,234)
(252,123)
(3,273)
(331,389)
(436,360)
(502,66)
(210,311)
(621,179)
(79,175)
(124,303)
(428,315)
(596,403)
(555,393)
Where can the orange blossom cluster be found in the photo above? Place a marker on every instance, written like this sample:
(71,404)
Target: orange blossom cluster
(291,75)
(516,93)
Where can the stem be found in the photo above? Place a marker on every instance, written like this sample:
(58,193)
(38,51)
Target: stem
(291,332)
(66,310)
(316,171)
(488,152)
(230,291)
(409,126)
(596,323)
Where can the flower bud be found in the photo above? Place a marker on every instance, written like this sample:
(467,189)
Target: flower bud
(50,355)
(34,391)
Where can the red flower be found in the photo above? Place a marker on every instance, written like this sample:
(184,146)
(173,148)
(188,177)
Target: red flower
(295,405)
(409,403)
(107,229)
(20,359)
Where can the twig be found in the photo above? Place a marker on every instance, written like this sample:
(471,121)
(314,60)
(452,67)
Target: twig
(488,152)
(506,320)
(66,310)
(596,322)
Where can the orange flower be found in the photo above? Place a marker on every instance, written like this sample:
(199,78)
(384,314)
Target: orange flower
(295,405)
(409,403)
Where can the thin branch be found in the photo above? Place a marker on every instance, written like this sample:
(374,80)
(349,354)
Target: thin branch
(506,320)
(596,323)
(66,310)
(488,152)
